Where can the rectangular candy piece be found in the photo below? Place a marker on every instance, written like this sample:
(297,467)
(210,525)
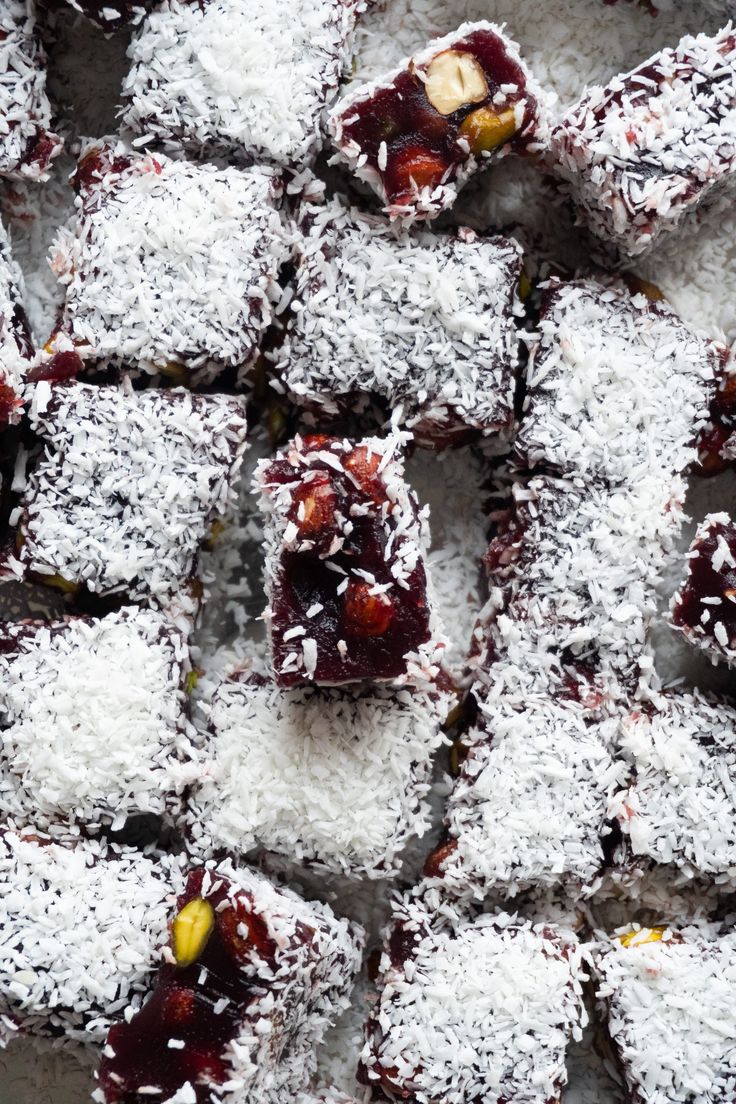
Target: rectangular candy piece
(16,346)
(252,978)
(529,807)
(249,79)
(80,932)
(647,150)
(573,572)
(472,1010)
(112,15)
(418,134)
(93,720)
(128,487)
(680,807)
(27,145)
(168,267)
(667,996)
(417,320)
(336,778)
(346,578)
(618,387)
(704,607)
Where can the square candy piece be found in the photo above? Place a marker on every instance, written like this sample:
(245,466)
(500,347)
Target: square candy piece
(333,778)
(93,724)
(16,347)
(251,980)
(646,151)
(470,1011)
(618,387)
(27,145)
(573,574)
(417,134)
(168,266)
(704,608)
(80,932)
(418,320)
(529,807)
(346,576)
(668,998)
(128,487)
(249,79)
(680,808)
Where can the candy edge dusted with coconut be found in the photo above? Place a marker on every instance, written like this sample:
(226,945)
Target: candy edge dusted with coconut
(87,743)
(206,127)
(676,811)
(134,890)
(612,193)
(581,429)
(49,547)
(125,240)
(29,109)
(335,779)
(297,522)
(430,202)
(688,970)
(427,351)
(16,349)
(708,633)
(298,997)
(529,807)
(460,993)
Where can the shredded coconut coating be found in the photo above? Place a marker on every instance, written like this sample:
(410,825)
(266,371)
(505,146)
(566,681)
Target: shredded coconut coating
(472,1011)
(305,991)
(530,804)
(80,931)
(319,956)
(618,387)
(27,145)
(327,502)
(704,607)
(129,485)
(15,344)
(647,150)
(429,200)
(251,79)
(669,1006)
(93,719)
(167,264)
(680,808)
(573,576)
(424,321)
(333,778)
